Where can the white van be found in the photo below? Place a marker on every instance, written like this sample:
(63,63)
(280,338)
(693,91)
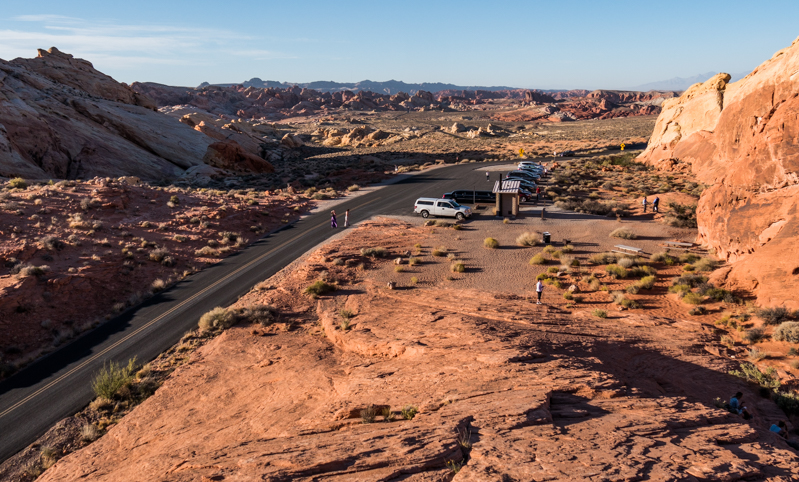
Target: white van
(430,206)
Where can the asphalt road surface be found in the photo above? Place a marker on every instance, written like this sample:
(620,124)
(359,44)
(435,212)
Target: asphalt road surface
(59,385)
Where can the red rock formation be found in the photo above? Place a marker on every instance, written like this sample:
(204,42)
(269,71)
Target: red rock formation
(61,118)
(741,139)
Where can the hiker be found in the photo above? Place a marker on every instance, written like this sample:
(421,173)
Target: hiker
(333,223)
(643,203)
(780,429)
(347,218)
(537,193)
(655,204)
(539,289)
(736,406)
(488,176)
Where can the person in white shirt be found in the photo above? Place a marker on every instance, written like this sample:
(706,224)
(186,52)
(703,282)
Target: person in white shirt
(539,289)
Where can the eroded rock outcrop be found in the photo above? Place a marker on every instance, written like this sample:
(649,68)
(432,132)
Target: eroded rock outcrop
(61,118)
(741,140)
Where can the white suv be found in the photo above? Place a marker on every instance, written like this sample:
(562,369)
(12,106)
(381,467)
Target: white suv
(427,206)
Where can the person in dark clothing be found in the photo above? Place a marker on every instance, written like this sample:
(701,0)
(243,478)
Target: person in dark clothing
(333,223)
(655,204)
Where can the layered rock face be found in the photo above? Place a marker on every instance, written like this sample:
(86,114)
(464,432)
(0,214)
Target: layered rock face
(742,139)
(61,118)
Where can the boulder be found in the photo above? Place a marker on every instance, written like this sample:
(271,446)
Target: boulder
(291,141)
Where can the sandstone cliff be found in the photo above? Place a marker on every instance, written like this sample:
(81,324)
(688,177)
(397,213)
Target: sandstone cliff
(61,118)
(741,140)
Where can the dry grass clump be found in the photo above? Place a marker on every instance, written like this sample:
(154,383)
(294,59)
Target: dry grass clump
(89,433)
(490,243)
(616,271)
(158,255)
(353,188)
(754,335)
(51,243)
(31,270)
(158,285)
(439,251)
(623,233)
(374,252)
(207,252)
(457,267)
(693,298)
(773,316)
(599,313)
(217,319)
(409,411)
(787,331)
(17,183)
(413,261)
(603,258)
(528,239)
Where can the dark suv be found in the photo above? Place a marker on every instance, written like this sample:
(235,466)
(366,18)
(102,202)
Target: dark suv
(469,197)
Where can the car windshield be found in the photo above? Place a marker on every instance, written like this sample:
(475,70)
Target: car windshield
(454,204)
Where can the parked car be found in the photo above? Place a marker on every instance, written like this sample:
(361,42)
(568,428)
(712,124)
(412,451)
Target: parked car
(523,183)
(524,174)
(466,196)
(530,165)
(525,195)
(430,206)
(566,154)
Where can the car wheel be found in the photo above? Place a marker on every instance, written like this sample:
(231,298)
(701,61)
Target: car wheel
(425,214)
(459,216)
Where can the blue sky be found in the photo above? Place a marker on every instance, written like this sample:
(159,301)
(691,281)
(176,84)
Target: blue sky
(533,44)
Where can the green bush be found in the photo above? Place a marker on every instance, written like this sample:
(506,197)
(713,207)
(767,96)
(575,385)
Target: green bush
(787,401)
(373,252)
(17,183)
(706,264)
(681,216)
(688,258)
(600,313)
(754,335)
(112,377)
(787,331)
(647,282)
(457,267)
(538,259)
(664,258)
(568,295)
(603,258)
(409,411)
(542,276)
(692,280)
(679,289)
(616,271)
(319,288)
(693,298)
(490,243)
(568,248)
(751,373)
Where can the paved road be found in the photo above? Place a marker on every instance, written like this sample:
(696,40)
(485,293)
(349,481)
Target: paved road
(59,385)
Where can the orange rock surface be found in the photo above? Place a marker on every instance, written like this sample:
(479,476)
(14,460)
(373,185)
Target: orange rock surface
(505,390)
(741,140)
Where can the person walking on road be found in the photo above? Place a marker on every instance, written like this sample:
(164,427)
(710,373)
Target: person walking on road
(333,223)
(488,176)
(537,193)
(347,218)
(655,205)
(539,289)
(643,203)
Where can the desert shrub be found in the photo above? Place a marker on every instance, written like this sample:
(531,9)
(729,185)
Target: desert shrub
(549,249)
(623,233)
(718,294)
(688,267)
(207,252)
(457,267)
(319,288)
(692,280)
(158,255)
(706,264)
(727,341)
(754,335)
(230,237)
(773,316)
(787,331)
(568,295)
(751,373)
(439,252)
(556,254)
(89,433)
(664,258)
(217,319)
(413,261)
(374,252)
(697,311)
(568,248)
(633,289)
(787,401)
(693,298)
(158,285)
(542,276)
(603,258)
(626,262)
(441,223)
(17,183)
(369,414)
(112,377)
(51,243)
(262,314)
(593,282)
(553,282)
(399,268)
(538,259)
(681,216)
(528,239)
(414,279)
(457,227)
(620,299)
(616,271)
(688,258)
(409,411)
(647,282)
(490,243)
(638,271)
(353,188)
(31,270)
(345,314)
(599,313)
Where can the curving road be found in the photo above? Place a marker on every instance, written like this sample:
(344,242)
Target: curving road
(58,385)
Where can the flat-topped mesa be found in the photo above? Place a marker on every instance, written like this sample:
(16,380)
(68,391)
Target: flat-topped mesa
(741,139)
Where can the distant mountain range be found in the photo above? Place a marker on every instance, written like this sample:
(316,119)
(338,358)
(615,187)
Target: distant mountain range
(682,83)
(389,87)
